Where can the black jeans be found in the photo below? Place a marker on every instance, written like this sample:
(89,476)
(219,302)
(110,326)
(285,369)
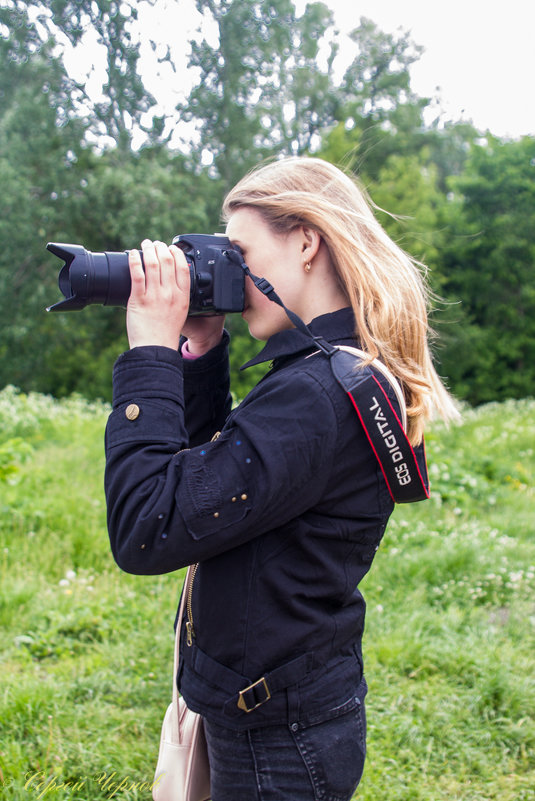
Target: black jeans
(291,762)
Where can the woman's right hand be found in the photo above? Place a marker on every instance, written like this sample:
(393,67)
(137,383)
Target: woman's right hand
(159,298)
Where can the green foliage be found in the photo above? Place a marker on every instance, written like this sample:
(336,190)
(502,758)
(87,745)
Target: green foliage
(62,27)
(12,453)
(489,267)
(56,188)
(242,348)
(151,194)
(267,86)
(57,191)
(236,75)
(37,157)
(87,650)
(304,98)
(377,81)
(378,115)
(406,186)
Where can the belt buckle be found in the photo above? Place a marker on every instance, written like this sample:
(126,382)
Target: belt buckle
(242,703)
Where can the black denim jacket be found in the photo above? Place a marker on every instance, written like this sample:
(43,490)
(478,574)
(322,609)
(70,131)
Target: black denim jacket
(284,511)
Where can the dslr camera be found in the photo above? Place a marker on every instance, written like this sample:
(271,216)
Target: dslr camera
(217,277)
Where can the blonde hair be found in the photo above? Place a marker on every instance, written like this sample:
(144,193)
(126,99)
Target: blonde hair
(385,286)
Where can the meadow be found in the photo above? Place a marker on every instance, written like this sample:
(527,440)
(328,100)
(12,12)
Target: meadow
(86,651)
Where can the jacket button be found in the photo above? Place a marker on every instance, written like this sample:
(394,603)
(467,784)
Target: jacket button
(132,411)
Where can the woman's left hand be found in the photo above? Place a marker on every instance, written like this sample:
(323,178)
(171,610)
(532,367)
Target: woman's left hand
(160,294)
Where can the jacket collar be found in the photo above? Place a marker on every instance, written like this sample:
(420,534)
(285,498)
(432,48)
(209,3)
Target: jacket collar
(338,325)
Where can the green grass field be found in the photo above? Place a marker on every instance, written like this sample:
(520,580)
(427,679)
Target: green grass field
(87,650)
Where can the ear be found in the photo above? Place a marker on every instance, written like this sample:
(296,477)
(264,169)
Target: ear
(311,241)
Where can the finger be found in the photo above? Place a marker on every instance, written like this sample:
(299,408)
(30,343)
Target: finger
(181,267)
(137,274)
(167,263)
(152,264)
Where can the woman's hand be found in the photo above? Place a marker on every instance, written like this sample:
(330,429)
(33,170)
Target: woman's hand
(157,311)
(203,333)
(159,298)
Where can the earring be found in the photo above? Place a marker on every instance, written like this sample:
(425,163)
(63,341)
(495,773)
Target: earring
(308,267)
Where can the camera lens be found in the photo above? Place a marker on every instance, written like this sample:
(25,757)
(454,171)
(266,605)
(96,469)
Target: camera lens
(88,277)
(217,282)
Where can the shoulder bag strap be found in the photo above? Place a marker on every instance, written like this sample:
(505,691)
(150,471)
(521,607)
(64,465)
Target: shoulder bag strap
(187,580)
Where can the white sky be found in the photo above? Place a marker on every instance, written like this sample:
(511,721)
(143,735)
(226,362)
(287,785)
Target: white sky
(479,55)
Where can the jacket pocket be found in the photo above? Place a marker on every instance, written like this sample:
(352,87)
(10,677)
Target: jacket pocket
(206,505)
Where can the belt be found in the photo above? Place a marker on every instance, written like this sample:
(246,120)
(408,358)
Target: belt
(247,694)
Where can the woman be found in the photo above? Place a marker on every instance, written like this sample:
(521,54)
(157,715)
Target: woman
(281,501)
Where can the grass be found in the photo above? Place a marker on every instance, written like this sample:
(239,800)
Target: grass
(449,644)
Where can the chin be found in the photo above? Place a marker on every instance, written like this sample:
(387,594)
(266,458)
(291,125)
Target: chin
(263,326)
(258,333)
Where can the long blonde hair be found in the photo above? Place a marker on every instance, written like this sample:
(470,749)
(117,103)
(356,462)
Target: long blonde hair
(385,287)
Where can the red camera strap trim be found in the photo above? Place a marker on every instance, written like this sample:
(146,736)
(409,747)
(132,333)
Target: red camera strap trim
(397,458)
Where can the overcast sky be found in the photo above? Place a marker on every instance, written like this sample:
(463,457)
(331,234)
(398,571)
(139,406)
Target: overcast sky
(479,54)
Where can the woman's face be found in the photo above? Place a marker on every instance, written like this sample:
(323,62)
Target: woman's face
(280,258)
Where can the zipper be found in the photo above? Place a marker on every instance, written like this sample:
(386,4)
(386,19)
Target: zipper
(190,631)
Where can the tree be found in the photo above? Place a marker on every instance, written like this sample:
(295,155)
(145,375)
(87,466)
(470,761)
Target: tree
(61,26)
(378,79)
(225,101)
(260,90)
(267,87)
(378,114)
(449,147)
(39,148)
(489,267)
(303,100)
(411,207)
(57,188)
(113,206)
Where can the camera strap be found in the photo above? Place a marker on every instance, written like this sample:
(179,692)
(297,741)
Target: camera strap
(402,465)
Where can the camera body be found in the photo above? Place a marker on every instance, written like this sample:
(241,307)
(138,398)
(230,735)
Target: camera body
(217,278)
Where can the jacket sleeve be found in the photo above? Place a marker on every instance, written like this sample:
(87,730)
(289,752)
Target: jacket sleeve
(170,506)
(207,398)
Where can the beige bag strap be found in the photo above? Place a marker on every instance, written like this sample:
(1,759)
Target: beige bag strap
(185,590)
